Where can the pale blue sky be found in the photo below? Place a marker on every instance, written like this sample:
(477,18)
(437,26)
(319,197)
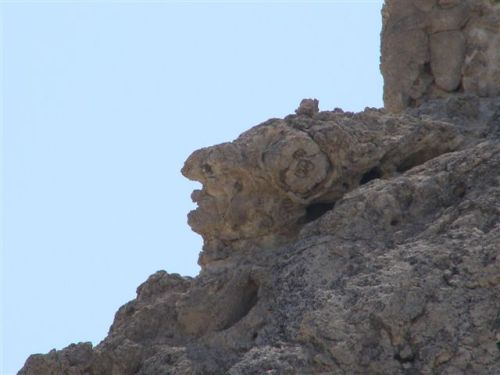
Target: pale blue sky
(103,102)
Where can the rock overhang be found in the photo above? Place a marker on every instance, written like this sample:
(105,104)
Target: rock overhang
(259,190)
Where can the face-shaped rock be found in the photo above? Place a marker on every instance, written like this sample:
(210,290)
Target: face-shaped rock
(259,190)
(256,186)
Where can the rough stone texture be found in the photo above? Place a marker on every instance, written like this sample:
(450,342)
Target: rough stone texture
(447,56)
(432,49)
(336,242)
(308,107)
(259,190)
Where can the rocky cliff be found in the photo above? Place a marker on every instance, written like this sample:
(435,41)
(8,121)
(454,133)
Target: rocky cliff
(337,242)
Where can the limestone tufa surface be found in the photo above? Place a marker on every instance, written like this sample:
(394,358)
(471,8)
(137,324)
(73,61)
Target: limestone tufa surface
(436,48)
(336,242)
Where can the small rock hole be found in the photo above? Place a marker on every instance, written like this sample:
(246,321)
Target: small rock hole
(394,222)
(316,210)
(238,186)
(427,68)
(400,359)
(460,191)
(372,174)
(207,169)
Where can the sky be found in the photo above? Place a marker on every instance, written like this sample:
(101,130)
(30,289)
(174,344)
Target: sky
(101,104)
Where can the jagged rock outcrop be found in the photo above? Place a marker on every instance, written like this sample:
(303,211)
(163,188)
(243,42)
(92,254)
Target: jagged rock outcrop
(334,243)
(384,260)
(259,190)
(434,48)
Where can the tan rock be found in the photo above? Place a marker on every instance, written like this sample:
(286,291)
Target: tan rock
(450,3)
(449,19)
(447,56)
(308,107)
(262,187)
(406,57)
(335,242)
(425,5)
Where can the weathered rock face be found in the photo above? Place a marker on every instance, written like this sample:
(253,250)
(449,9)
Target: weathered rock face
(334,243)
(379,257)
(434,48)
(259,190)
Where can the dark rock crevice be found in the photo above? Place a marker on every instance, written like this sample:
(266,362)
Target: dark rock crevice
(372,174)
(249,296)
(316,210)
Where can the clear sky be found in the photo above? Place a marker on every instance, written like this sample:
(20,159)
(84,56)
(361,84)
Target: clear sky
(103,102)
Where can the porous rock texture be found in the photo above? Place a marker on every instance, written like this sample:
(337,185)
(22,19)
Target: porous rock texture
(431,48)
(334,243)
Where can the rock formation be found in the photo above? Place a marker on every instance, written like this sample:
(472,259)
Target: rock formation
(431,48)
(338,242)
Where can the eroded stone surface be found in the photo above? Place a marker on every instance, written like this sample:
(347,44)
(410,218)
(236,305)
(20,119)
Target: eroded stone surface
(447,58)
(434,49)
(340,243)
(260,189)
(401,275)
